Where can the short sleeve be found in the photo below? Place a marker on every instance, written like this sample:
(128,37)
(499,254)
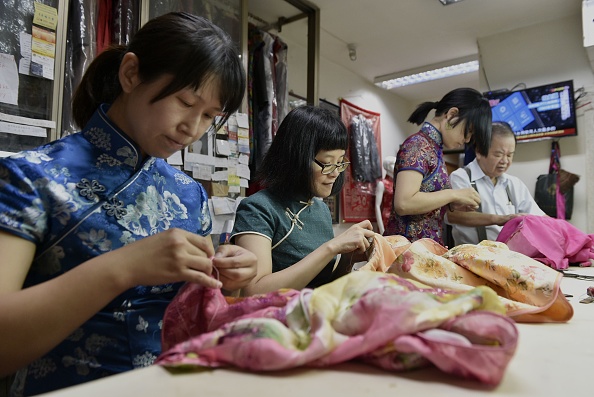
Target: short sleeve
(22,210)
(416,154)
(206,220)
(254,216)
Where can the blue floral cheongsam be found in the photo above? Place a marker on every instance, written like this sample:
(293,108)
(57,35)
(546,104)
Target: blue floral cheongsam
(422,152)
(77,198)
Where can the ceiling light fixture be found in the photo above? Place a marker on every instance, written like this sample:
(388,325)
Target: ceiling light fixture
(427,73)
(448,2)
(352,52)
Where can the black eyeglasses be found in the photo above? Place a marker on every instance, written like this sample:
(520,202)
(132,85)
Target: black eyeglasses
(329,168)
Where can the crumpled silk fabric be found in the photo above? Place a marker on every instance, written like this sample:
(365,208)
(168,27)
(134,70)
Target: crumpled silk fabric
(375,317)
(554,242)
(528,289)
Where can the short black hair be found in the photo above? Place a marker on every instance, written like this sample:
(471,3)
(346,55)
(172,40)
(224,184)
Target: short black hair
(287,166)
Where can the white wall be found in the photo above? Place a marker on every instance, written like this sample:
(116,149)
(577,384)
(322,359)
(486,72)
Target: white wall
(337,82)
(537,55)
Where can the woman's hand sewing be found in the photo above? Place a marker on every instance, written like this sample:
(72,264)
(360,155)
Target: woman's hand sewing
(356,238)
(170,256)
(236,266)
(466,200)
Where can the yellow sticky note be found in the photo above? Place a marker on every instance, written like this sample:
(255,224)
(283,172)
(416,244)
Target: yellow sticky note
(45,16)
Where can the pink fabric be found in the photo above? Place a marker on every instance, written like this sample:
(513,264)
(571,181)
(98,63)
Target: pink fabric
(375,317)
(554,242)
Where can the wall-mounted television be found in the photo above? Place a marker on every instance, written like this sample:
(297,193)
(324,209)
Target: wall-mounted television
(543,112)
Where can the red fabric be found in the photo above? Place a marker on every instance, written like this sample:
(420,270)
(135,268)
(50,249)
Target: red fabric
(554,242)
(387,198)
(104,25)
(356,201)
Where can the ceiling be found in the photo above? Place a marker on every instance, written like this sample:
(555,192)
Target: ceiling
(396,35)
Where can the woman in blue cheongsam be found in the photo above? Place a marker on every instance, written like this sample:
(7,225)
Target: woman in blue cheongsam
(97,231)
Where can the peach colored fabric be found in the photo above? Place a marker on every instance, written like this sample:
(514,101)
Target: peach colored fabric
(529,290)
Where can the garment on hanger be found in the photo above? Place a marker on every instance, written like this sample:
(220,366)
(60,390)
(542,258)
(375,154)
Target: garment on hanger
(267,84)
(364,154)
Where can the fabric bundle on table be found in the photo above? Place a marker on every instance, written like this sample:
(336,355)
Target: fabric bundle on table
(529,290)
(371,316)
(554,242)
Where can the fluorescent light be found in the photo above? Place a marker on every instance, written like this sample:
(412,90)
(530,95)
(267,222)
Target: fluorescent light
(448,2)
(428,73)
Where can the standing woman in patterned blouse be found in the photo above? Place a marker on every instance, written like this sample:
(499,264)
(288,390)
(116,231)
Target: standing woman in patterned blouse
(422,190)
(97,231)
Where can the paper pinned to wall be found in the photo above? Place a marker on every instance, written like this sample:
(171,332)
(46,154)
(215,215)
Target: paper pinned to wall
(21,129)
(202,171)
(25,44)
(9,80)
(220,223)
(242,120)
(223,147)
(175,158)
(243,171)
(223,205)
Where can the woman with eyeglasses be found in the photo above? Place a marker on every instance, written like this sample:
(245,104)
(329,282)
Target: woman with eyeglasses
(422,189)
(287,225)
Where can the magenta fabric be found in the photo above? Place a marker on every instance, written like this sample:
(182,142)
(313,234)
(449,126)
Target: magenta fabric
(554,242)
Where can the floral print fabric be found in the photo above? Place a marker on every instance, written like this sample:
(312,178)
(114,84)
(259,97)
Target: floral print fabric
(422,152)
(528,289)
(77,198)
(376,317)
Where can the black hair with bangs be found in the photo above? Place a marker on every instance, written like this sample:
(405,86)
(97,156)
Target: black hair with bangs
(287,168)
(190,48)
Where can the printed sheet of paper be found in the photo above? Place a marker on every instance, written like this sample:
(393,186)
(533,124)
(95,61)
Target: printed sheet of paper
(43,51)
(9,80)
(25,44)
(20,129)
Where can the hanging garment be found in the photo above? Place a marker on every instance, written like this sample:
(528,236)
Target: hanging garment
(267,94)
(364,154)
(104,24)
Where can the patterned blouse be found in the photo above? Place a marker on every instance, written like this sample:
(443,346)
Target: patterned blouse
(422,152)
(77,198)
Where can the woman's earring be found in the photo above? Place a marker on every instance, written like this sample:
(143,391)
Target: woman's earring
(448,125)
